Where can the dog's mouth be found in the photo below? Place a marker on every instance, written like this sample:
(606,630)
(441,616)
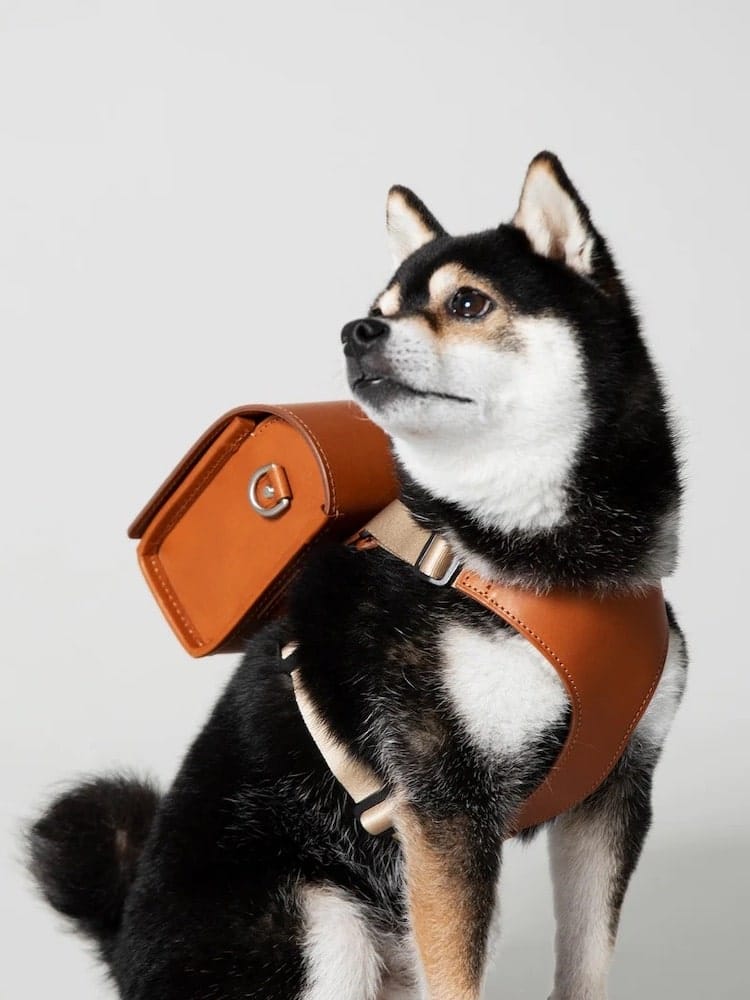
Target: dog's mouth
(383,387)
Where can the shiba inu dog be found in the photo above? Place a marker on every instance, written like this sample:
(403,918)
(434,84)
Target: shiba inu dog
(529,427)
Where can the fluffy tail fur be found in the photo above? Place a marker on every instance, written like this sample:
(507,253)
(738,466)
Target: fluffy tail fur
(84,850)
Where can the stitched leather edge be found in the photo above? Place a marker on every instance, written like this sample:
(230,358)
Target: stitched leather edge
(160,576)
(208,473)
(162,581)
(279,584)
(484,597)
(321,452)
(634,722)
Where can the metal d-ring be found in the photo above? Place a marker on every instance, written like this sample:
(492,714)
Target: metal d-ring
(278,508)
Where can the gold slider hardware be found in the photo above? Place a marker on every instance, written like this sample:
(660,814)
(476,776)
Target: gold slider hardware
(437,562)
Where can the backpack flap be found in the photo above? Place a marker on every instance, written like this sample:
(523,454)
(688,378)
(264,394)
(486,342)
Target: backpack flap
(225,535)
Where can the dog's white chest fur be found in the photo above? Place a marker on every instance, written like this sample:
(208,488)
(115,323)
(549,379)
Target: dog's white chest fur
(502,688)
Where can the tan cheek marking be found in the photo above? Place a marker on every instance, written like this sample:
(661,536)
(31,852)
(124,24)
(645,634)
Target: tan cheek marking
(441,911)
(389,302)
(497,328)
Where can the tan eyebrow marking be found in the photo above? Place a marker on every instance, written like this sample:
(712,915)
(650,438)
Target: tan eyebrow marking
(389,302)
(446,279)
(451,277)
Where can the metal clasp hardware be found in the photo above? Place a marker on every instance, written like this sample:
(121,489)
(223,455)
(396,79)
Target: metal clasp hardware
(252,492)
(437,562)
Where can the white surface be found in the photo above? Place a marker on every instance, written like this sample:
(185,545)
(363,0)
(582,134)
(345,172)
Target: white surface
(191,204)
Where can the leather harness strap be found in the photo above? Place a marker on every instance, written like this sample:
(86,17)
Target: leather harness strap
(609,652)
(607,649)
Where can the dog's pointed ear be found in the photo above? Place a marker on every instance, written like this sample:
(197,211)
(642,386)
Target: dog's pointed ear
(410,223)
(554,217)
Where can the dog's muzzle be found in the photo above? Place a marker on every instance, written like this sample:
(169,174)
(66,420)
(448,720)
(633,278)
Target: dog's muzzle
(363,335)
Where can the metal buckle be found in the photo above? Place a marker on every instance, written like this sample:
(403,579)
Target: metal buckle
(278,508)
(432,558)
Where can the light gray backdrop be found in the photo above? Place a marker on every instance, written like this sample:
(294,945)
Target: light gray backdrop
(191,205)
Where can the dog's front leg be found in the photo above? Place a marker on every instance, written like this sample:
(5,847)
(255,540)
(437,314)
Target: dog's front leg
(452,865)
(593,852)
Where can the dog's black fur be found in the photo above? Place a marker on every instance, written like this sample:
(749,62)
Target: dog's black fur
(627,474)
(208,906)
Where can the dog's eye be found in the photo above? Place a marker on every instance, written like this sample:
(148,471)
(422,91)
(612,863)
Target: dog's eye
(468,303)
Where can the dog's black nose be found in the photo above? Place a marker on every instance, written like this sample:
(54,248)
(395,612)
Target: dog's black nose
(361,335)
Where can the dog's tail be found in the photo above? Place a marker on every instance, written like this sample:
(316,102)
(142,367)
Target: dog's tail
(84,850)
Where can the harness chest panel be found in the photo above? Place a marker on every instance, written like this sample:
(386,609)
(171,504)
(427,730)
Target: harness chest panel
(608,650)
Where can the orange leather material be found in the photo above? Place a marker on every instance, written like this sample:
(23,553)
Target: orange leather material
(218,567)
(609,652)
(351,448)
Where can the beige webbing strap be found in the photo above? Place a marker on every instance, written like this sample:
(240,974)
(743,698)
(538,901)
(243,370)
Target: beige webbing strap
(398,533)
(359,781)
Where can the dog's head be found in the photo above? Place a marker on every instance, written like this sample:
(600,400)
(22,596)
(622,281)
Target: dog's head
(485,355)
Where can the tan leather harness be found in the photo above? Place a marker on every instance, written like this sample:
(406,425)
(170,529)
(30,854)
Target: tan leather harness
(608,650)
